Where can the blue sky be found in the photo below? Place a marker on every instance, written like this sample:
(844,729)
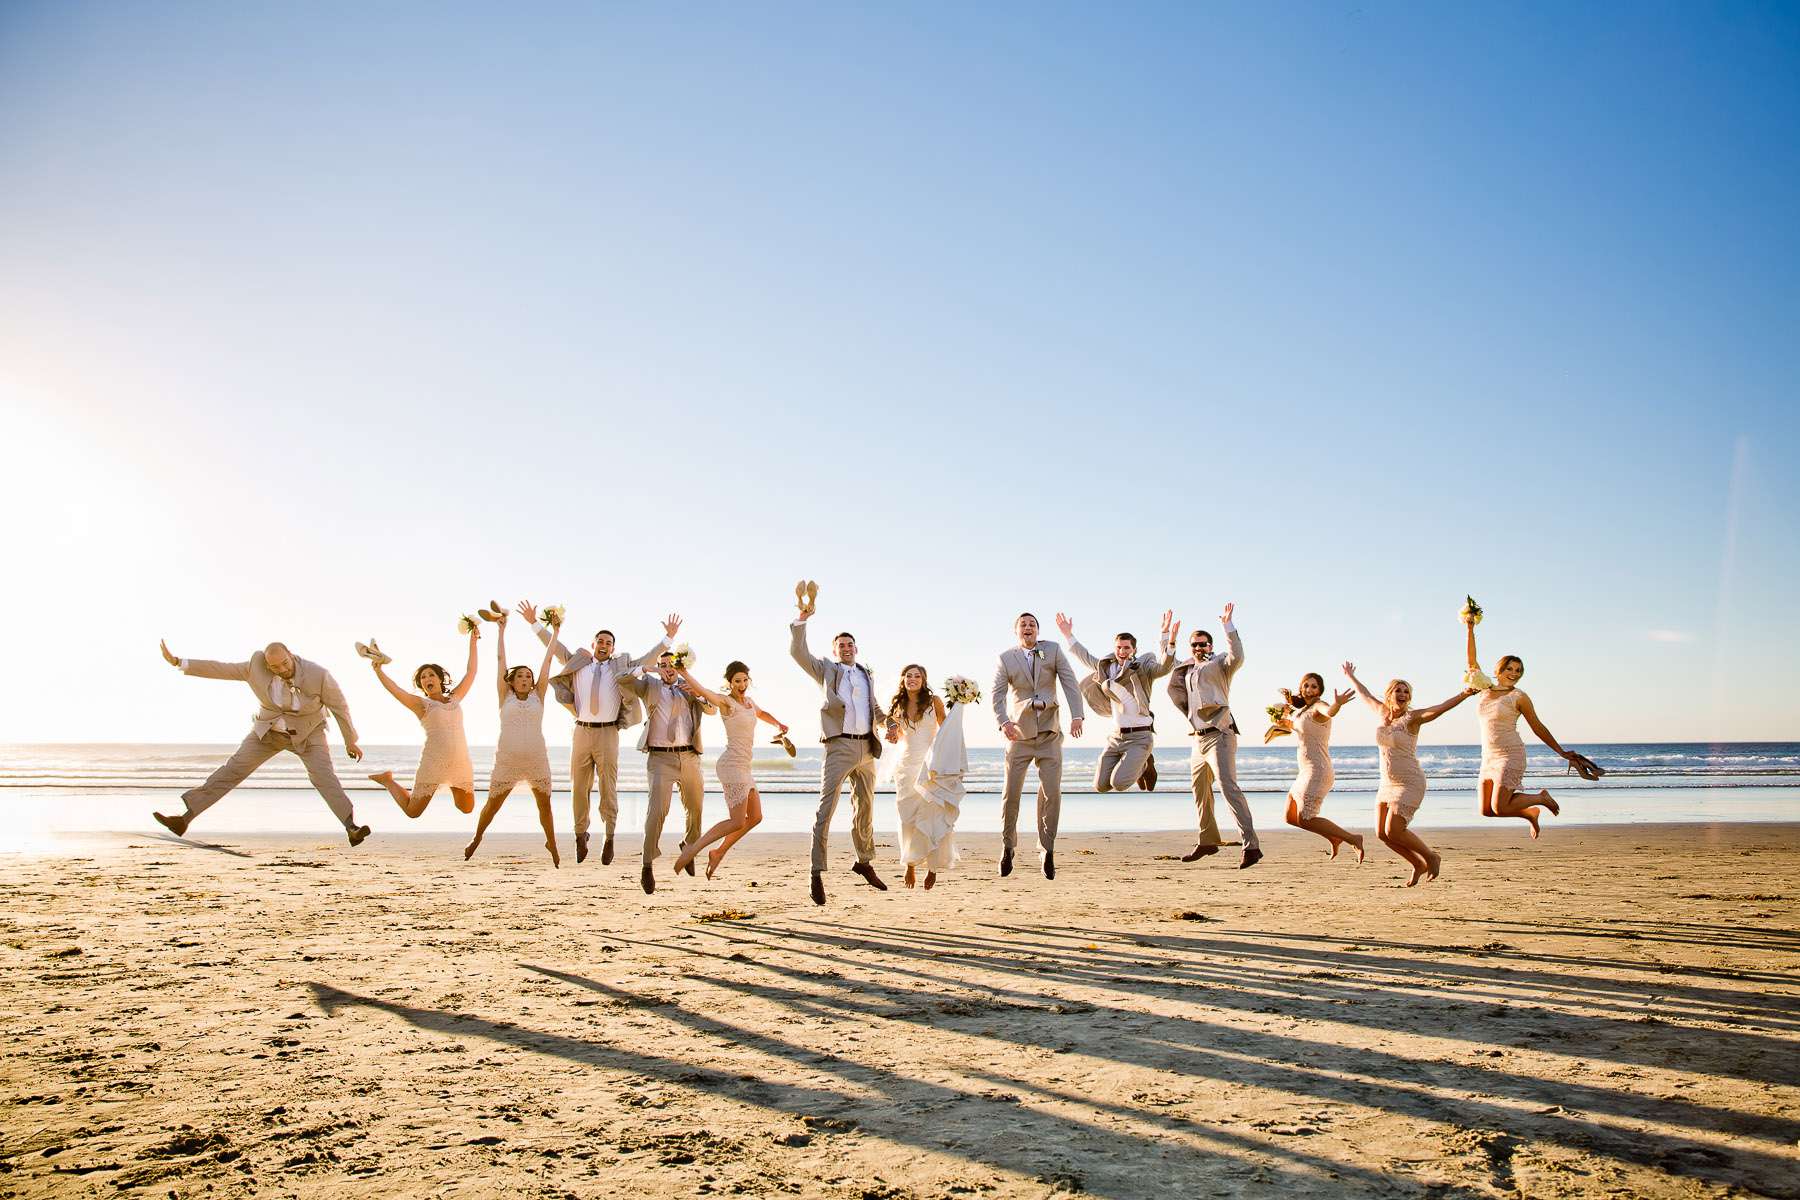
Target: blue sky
(323,322)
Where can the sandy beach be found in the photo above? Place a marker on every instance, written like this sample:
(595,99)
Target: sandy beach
(1610,1011)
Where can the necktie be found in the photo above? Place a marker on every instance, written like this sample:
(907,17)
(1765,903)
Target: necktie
(594,692)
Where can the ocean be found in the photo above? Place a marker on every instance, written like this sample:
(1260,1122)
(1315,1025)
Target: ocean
(85,788)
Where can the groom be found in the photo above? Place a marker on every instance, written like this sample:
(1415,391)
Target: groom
(588,686)
(1201,689)
(848,719)
(292,696)
(1029,673)
(671,739)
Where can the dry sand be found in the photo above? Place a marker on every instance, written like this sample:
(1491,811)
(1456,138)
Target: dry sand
(1610,1011)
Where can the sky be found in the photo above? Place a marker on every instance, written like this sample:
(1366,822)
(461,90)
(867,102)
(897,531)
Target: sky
(328,321)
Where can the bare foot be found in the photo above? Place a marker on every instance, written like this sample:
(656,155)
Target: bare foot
(383,777)
(1356,840)
(1335,843)
(930,878)
(682,861)
(1433,864)
(1531,819)
(909,874)
(1418,874)
(469,851)
(555,858)
(1551,804)
(713,859)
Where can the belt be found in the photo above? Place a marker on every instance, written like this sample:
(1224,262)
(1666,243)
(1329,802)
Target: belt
(673,749)
(612,724)
(1150,728)
(838,737)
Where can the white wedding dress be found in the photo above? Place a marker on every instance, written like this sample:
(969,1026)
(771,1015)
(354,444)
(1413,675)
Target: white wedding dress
(928,789)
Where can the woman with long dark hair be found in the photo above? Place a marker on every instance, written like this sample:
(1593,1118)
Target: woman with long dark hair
(927,826)
(743,804)
(521,756)
(444,759)
(1309,716)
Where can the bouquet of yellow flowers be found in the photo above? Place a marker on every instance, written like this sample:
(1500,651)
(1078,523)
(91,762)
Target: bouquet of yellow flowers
(960,689)
(553,616)
(465,624)
(1278,722)
(1471,611)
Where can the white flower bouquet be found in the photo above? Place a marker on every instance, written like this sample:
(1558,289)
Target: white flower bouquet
(960,689)
(1475,678)
(553,616)
(465,624)
(682,656)
(1279,724)
(1471,611)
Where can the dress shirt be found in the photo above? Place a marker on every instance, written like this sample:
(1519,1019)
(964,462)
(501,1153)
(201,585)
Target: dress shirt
(1125,705)
(671,716)
(853,690)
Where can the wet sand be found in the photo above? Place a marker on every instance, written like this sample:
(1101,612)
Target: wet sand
(1609,1011)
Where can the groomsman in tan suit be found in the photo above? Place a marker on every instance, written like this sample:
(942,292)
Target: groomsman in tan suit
(1119,686)
(1025,705)
(588,686)
(671,739)
(292,696)
(1201,689)
(849,718)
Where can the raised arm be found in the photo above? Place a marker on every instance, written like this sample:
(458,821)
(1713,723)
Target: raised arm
(468,679)
(802,654)
(500,686)
(671,626)
(1067,628)
(332,697)
(693,685)
(528,610)
(1165,646)
(1424,716)
(543,675)
(1528,710)
(1474,662)
(413,703)
(1365,693)
(1337,705)
(206,668)
(1071,690)
(1233,657)
(763,714)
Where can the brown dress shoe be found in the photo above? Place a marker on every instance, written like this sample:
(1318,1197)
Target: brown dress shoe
(606,851)
(581,845)
(1199,853)
(867,871)
(1147,780)
(358,834)
(176,825)
(818,888)
(647,877)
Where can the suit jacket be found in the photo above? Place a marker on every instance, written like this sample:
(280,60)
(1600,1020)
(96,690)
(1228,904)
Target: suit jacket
(1137,676)
(631,706)
(1202,691)
(829,674)
(317,690)
(654,694)
(1025,688)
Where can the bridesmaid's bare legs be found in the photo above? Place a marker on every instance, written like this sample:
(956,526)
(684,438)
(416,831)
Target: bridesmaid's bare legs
(1331,831)
(402,797)
(464,799)
(489,811)
(730,829)
(1501,801)
(549,824)
(1426,862)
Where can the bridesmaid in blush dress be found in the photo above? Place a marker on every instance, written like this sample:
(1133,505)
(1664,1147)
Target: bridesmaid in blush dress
(521,756)
(1502,749)
(743,804)
(444,760)
(1311,722)
(1402,778)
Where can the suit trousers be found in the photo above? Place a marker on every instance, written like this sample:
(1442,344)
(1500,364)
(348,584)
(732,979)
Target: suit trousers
(253,752)
(668,770)
(851,758)
(595,752)
(1045,750)
(1215,760)
(1123,759)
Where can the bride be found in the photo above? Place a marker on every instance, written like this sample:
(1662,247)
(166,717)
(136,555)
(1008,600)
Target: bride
(928,779)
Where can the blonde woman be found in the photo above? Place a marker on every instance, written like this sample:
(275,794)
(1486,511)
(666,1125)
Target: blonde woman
(521,756)
(743,804)
(444,759)
(1402,779)
(1309,717)
(1503,750)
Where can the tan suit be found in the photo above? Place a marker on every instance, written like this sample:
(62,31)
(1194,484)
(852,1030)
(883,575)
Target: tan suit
(595,751)
(846,756)
(1127,750)
(669,768)
(310,694)
(1202,693)
(1025,694)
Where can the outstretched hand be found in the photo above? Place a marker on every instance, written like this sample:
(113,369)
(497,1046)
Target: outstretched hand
(1065,625)
(1225,617)
(527,610)
(1350,669)
(672,624)
(1342,698)
(167,657)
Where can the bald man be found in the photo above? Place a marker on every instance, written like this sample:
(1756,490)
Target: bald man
(293,695)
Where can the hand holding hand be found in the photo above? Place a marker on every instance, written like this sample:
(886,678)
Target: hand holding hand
(167,657)
(1065,625)
(528,610)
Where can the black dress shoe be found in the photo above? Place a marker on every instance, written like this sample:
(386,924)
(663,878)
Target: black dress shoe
(818,888)
(1252,856)
(867,871)
(1199,853)
(176,825)
(606,854)
(648,878)
(581,844)
(357,834)
(1006,862)
(1049,864)
(1147,780)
